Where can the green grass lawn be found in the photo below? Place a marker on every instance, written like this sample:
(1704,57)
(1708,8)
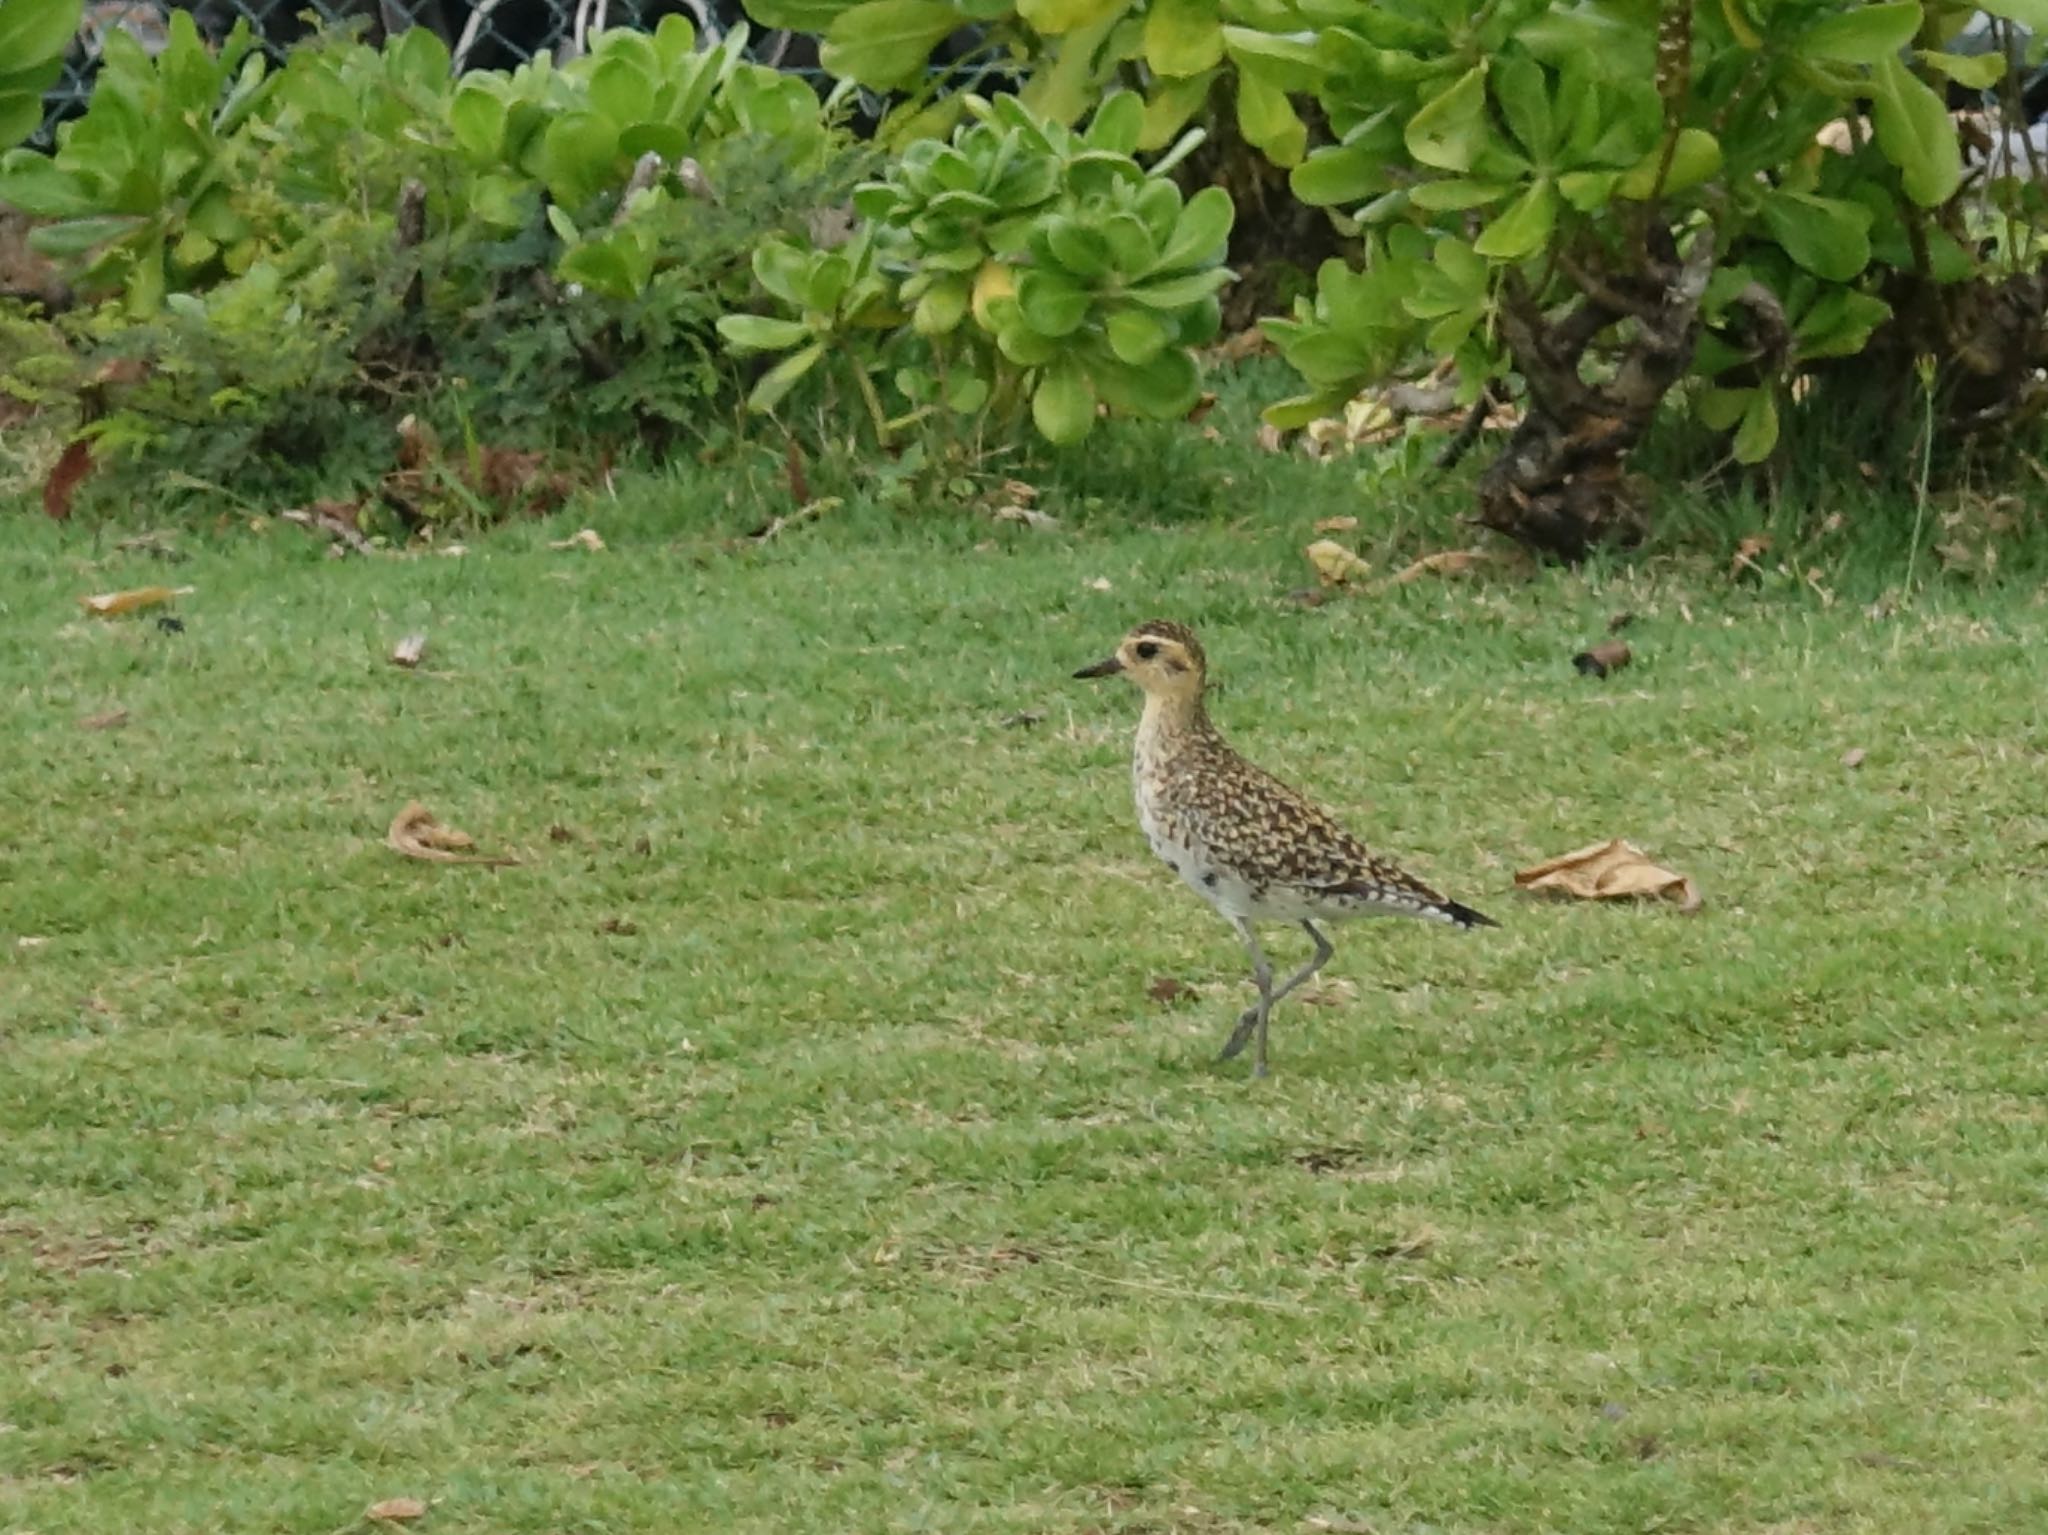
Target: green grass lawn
(791,1141)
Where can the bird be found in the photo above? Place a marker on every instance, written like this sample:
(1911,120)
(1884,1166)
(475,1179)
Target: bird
(1253,848)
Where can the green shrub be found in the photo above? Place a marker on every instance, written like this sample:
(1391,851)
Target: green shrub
(302,257)
(1603,200)
(1019,262)
(34,36)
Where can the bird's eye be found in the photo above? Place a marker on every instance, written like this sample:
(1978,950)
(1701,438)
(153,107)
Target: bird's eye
(1147,651)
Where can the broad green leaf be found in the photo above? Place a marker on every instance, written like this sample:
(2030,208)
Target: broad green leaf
(777,382)
(1080,250)
(942,307)
(1522,227)
(1524,96)
(1183,37)
(1828,236)
(1450,130)
(1746,34)
(1338,175)
(967,393)
(1177,292)
(1456,195)
(1290,415)
(1720,409)
(1135,335)
(1268,120)
(2031,14)
(34,33)
(1171,105)
(1694,159)
(1201,233)
(1051,18)
(1975,71)
(1164,387)
(1285,62)
(36,185)
(884,44)
(477,115)
(1051,304)
(1063,405)
(621,90)
(1588,190)
(1839,324)
(782,269)
(74,237)
(1758,433)
(1861,34)
(760,333)
(1117,123)
(1914,132)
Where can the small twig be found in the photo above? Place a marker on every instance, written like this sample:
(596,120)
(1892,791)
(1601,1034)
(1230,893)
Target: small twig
(472,33)
(646,170)
(333,527)
(1468,430)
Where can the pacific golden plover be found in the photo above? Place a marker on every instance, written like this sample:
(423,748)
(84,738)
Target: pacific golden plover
(1245,842)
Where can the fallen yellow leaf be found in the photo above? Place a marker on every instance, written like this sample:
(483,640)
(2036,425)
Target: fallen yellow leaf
(397,1510)
(1610,871)
(582,538)
(1447,562)
(113,604)
(417,834)
(1334,564)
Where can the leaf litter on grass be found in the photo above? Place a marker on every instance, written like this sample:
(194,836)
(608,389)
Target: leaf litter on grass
(1616,870)
(418,834)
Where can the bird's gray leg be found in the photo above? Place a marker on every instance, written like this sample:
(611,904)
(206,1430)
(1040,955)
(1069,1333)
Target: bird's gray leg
(1255,1019)
(1321,957)
(1255,1016)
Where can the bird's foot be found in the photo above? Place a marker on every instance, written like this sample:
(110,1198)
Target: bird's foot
(1241,1036)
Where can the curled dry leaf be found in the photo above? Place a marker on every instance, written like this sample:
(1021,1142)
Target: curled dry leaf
(417,834)
(1610,871)
(407,652)
(1099,584)
(1030,516)
(113,719)
(1602,659)
(1747,553)
(396,1510)
(582,538)
(65,477)
(114,604)
(1270,438)
(1853,757)
(1202,406)
(1446,562)
(1166,989)
(1334,564)
(1336,524)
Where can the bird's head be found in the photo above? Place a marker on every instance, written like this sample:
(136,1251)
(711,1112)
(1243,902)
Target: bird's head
(1162,657)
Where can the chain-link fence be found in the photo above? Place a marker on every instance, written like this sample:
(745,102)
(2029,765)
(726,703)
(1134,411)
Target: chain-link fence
(480,34)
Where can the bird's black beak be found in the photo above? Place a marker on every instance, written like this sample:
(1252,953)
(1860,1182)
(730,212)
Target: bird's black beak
(1108,666)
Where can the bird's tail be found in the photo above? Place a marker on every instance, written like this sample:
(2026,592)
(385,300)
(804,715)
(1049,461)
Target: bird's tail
(1464,916)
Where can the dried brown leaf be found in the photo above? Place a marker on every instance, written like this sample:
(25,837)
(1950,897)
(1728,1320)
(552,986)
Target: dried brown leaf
(396,1510)
(417,834)
(1270,438)
(1336,524)
(113,719)
(1747,553)
(1030,516)
(1166,989)
(1202,406)
(1602,659)
(114,604)
(1334,564)
(1853,757)
(582,538)
(1445,562)
(66,475)
(1610,871)
(407,652)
